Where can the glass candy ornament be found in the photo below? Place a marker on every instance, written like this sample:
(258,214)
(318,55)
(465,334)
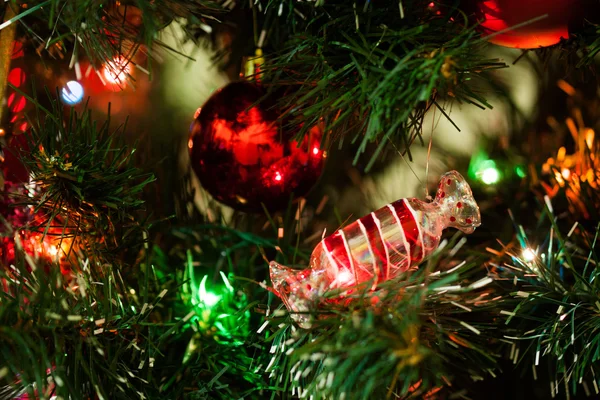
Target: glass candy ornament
(245,157)
(376,247)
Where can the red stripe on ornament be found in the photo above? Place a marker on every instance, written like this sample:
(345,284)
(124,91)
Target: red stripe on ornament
(335,244)
(411,228)
(377,245)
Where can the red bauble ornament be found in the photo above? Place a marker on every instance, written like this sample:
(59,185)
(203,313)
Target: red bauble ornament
(243,154)
(502,15)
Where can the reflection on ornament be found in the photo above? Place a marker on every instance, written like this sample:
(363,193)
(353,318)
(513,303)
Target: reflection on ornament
(245,157)
(376,248)
(72,93)
(117,71)
(526,24)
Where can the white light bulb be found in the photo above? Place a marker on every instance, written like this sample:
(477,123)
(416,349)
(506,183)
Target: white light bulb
(72,93)
(528,255)
(490,176)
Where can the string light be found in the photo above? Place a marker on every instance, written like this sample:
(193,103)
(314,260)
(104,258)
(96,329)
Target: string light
(575,174)
(117,71)
(490,175)
(484,169)
(208,299)
(52,251)
(72,93)
(528,254)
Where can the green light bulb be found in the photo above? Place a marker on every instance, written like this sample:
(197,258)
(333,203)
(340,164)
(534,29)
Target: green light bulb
(210,299)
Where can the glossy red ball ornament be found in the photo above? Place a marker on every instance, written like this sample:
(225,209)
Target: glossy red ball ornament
(502,15)
(244,155)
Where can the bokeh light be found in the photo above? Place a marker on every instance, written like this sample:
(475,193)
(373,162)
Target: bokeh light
(72,93)
(490,175)
(117,71)
(204,297)
(528,254)
(210,299)
(484,169)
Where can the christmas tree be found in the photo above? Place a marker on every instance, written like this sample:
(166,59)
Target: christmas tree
(377,199)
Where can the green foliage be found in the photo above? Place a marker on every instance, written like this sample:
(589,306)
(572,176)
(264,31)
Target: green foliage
(100,30)
(552,302)
(86,185)
(589,44)
(90,332)
(110,320)
(71,338)
(127,320)
(375,70)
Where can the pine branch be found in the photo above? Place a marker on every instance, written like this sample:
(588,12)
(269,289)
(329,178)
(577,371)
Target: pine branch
(106,30)
(374,71)
(87,186)
(91,333)
(69,337)
(552,311)
(590,45)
